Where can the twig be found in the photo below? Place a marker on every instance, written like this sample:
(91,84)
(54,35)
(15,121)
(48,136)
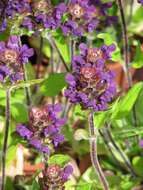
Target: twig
(126,45)
(93,153)
(126,54)
(106,141)
(6,132)
(127,162)
(72,47)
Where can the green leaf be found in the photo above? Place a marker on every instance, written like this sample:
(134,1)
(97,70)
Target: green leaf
(11,154)
(35,185)
(100,118)
(126,133)
(9,184)
(59,159)
(54,84)
(138,15)
(137,164)
(28,83)
(63,47)
(126,104)
(19,112)
(108,40)
(138,59)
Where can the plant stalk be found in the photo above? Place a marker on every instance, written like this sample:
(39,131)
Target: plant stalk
(126,44)
(39,60)
(6,133)
(93,132)
(127,162)
(27,89)
(54,46)
(126,53)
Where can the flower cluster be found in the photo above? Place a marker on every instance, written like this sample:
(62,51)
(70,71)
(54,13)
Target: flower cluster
(44,15)
(76,18)
(84,16)
(55,176)
(140,1)
(91,84)
(43,131)
(12,57)
(34,14)
(13,9)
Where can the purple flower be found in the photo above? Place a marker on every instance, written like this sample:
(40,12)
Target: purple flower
(141,143)
(12,56)
(68,170)
(91,84)
(11,9)
(140,1)
(44,127)
(56,176)
(84,16)
(23,131)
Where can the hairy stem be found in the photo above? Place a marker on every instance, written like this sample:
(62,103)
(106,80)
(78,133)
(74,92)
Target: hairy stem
(93,153)
(6,132)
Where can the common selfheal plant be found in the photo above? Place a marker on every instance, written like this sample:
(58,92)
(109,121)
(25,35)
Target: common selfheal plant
(55,176)
(12,56)
(91,84)
(43,130)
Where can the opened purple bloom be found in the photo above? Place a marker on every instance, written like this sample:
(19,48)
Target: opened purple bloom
(91,84)
(56,176)
(140,1)
(12,56)
(84,16)
(43,131)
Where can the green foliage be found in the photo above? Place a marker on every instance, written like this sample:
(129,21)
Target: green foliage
(126,104)
(9,184)
(108,40)
(53,85)
(138,59)
(59,159)
(137,164)
(19,112)
(63,46)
